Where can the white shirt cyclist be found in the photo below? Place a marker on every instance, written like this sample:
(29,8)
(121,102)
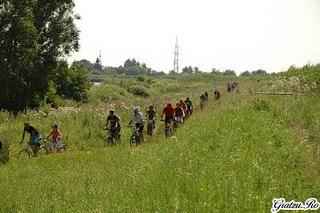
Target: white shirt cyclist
(138,118)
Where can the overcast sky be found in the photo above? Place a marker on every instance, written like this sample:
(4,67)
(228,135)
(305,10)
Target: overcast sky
(223,34)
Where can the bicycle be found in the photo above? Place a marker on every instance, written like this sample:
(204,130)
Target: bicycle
(202,103)
(150,127)
(168,128)
(178,122)
(113,136)
(49,148)
(135,137)
(27,151)
(189,113)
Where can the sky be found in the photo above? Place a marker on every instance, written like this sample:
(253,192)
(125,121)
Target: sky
(223,34)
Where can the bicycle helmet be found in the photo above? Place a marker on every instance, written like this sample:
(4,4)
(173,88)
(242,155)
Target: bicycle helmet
(135,109)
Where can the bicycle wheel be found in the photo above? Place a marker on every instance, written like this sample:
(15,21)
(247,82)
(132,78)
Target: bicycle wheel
(111,141)
(45,149)
(118,139)
(150,130)
(168,131)
(64,148)
(25,153)
(133,140)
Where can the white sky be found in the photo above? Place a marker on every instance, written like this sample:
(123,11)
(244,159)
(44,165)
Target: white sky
(224,34)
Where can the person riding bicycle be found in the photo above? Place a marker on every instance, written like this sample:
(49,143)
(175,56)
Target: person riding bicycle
(229,86)
(34,140)
(168,111)
(56,137)
(217,94)
(183,107)
(151,115)
(206,95)
(178,114)
(113,124)
(138,120)
(234,85)
(189,106)
(203,98)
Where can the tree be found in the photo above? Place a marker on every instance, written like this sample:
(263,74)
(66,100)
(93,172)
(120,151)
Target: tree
(229,72)
(85,64)
(246,73)
(215,71)
(34,36)
(187,70)
(71,82)
(259,72)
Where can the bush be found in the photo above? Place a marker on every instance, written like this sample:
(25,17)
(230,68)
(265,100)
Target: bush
(140,78)
(71,83)
(139,91)
(4,152)
(108,92)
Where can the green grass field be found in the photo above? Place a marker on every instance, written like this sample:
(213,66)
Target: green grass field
(235,155)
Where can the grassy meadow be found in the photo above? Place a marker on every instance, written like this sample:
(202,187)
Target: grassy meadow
(235,155)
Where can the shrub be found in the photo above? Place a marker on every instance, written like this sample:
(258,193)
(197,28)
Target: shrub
(4,152)
(140,78)
(139,91)
(71,82)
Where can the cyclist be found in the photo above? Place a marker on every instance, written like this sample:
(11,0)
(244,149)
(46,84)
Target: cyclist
(229,87)
(56,137)
(183,107)
(203,99)
(234,85)
(114,128)
(138,120)
(34,140)
(189,106)
(217,94)
(151,115)
(168,111)
(206,95)
(178,114)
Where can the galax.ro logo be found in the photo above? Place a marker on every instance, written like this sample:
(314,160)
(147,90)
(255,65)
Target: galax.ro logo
(279,204)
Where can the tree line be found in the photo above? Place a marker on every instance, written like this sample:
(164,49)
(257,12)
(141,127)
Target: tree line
(131,67)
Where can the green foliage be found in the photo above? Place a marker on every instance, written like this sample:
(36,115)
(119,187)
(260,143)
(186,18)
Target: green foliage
(33,35)
(71,82)
(187,70)
(131,67)
(309,73)
(246,73)
(259,72)
(229,72)
(108,92)
(139,91)
(4,152)
(141,78)
(261,105)
(224,157)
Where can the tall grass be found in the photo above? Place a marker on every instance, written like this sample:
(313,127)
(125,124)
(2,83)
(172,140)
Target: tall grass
(235,155)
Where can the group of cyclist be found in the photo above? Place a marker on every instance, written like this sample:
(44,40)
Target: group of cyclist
(54,138)
(177,114)
(171,114)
